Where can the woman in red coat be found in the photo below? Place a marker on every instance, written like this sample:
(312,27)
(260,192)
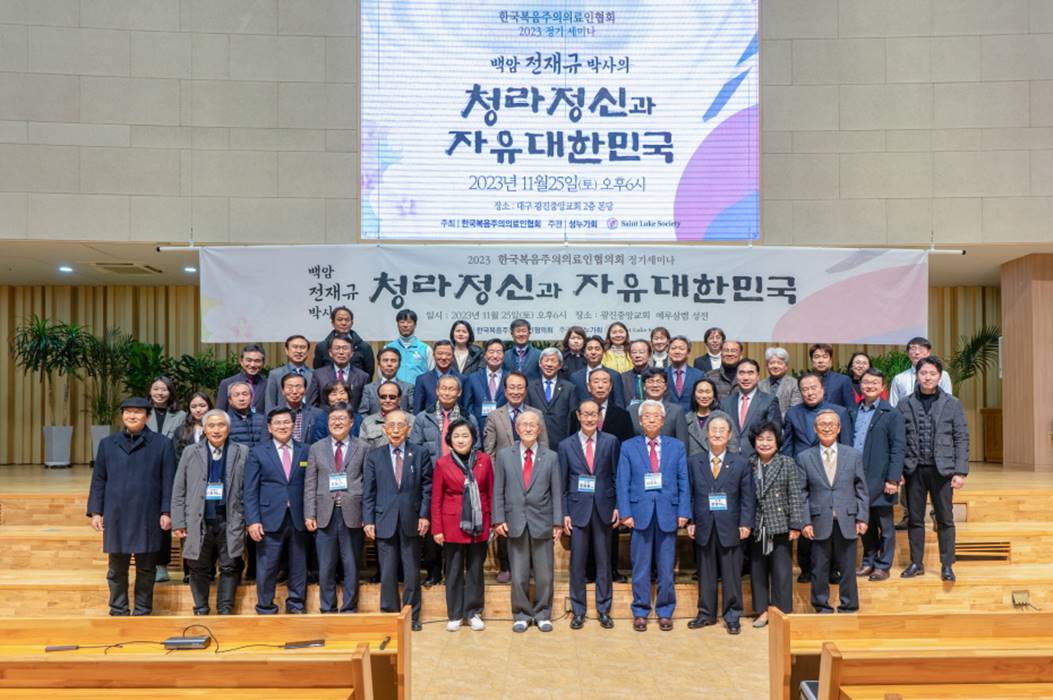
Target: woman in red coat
(462,488)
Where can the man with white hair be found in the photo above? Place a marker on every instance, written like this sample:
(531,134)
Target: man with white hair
(555,397)
(654,500)
(207,512)
(778,383)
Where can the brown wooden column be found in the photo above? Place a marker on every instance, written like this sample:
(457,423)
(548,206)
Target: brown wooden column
(1027,362)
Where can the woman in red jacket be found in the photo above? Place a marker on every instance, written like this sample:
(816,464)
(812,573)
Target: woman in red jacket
(462,488)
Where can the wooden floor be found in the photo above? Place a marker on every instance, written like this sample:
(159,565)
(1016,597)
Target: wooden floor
(51,564)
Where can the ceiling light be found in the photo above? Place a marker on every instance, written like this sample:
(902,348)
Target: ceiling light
(65,268)
(190,268)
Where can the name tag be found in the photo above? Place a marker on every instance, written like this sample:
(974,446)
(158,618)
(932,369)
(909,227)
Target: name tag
(586,484)
(338,482)
(303,464)
(652,481)
(718,501)
(214,491)
(488,407)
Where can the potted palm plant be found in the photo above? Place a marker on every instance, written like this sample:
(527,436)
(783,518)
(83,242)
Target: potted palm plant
(105,364)
(52,349)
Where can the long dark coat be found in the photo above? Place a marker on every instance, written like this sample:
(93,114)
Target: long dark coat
(131,486)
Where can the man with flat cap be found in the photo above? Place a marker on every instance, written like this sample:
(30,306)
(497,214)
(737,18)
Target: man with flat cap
(130,504)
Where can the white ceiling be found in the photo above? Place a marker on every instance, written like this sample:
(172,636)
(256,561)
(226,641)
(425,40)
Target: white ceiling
(37,263)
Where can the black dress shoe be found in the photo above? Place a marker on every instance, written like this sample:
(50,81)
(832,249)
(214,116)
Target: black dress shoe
(295,612)
(864,571)
(415,626)
(618,577)
(734,628)
(700,621)
(947,573)
(577,622)
(835,576)
(912,571)
(902,524)
(804,577)
(605,621)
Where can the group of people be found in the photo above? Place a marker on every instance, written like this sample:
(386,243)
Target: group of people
(454,445)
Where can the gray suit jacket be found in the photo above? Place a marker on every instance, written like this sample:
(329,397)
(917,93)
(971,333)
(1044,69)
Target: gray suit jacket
(372,429)
(273,391)
(788,393)
(538,507)
(173,421)
(427,431)
(697,441)
(371,404)
(318,501)
(847,497)
(498,433)
(188,497)
(674,424)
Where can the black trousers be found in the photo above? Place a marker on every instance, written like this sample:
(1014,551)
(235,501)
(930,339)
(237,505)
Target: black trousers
(593,539)
(927,482)
(117,578)
(804,555)
(840,552)
(771,576)
(213,547)
(431,557)
(879,541)
(464,579)
(164,556)
(715,560)
(502,554)
(391,552)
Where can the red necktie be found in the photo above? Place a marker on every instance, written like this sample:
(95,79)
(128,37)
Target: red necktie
(528,466)
(744,407)
(654,455)
(589,454)
(679,381)
(444,449)
(340,376)
(339,457)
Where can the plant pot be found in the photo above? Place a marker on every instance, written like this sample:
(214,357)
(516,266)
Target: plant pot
(58,441)
(98,432)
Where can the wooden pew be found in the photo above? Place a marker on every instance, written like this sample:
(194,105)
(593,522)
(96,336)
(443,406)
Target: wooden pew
(979,673)
(249,656)
(795,641)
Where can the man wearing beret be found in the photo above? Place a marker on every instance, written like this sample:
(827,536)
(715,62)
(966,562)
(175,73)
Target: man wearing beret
(129,503)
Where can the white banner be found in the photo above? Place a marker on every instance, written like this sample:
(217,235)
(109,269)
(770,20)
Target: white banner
(266,293)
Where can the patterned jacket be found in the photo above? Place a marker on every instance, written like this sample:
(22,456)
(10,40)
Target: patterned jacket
(779,505)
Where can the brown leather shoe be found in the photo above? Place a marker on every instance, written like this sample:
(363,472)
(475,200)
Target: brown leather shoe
(665,624)
(864,571)
(640,624)
(878,575)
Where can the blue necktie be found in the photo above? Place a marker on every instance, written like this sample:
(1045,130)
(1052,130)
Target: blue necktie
(548,390)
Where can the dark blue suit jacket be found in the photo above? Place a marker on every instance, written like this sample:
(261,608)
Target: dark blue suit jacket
(572,464)
(883,451)
(530,359)
(617,390)
(837,389)
(388,505)
(424,390)
(671,502)
(691,375)
(267,493)
(476,391)
(736,482)
(798,428)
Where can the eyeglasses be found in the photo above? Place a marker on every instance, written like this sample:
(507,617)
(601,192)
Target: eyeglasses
(589,414)
(388,396)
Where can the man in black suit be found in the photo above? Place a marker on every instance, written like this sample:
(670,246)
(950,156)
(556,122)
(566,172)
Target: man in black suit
(555,397)
(880,434)
(723,503)
(425,389)
(837,387)
(341,370)
(632,380)
(726,376)
(714,340)
(593,352)
(396,512)
(748,406)
(251,360)
(588,460)
(655,383)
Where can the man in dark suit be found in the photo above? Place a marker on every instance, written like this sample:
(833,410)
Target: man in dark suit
(880,437)
(836,511)
(424,389)
(340,370)
(555,397)
(682,378)
(726,376)
(304,414)
(588,460)
(484,388)
(396,512)
(798,435)
(388,361)
(723,503)
(593,352)
(296,350)
(273,502)
(654,500)
(361,354)
(251,360)
(837,387)
(714,341)
(748,406)
(632,380)
(613,418)
(522,356)
(333,508)
(655,384)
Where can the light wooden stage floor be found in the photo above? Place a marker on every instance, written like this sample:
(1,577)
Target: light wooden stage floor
(52,565)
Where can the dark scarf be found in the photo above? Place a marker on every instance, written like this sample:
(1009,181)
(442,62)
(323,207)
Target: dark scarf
(471,503)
